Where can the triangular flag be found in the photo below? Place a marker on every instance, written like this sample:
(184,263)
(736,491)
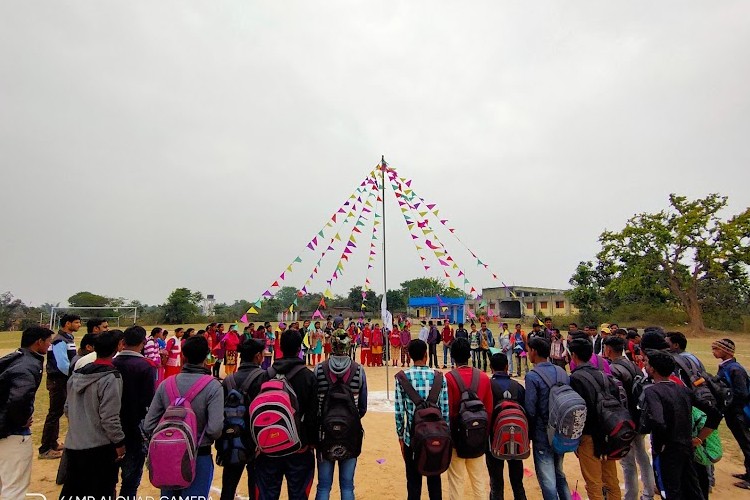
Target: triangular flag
(281,277)
(243,319)
(337,237)
(297,260)
(252,310)
(451,284)
(275,283)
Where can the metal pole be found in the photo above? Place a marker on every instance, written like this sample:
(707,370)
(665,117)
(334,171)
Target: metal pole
(385,285)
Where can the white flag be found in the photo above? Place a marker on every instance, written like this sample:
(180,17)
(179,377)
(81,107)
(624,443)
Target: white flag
(386,315)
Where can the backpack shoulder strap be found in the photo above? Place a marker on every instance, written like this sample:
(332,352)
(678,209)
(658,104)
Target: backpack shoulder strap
(437,386)
(459,381)
(589,378)
(197,387)
(249,381)
(271,372)
(231,382)
(475,380)
(545,378)
(409,389)
(170,385)
(294,371)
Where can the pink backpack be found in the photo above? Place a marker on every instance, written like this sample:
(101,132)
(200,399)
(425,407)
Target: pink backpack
(173,449)
(275,419)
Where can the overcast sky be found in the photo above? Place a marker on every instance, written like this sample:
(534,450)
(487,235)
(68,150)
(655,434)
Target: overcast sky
(149,145)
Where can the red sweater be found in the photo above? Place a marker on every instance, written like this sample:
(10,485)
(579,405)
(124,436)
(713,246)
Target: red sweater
(484,392)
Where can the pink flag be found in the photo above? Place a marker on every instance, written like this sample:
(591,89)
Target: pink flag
(244,318)
(443,263)
(429,244)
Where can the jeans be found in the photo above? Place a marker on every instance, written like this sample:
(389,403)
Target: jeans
(475,358)
(433,355)
(519,361)
(638,456)
(495,467)
(231,478)
(405,359)
(414,480)
(132,469)
(298,469)
(446,353)
(549,472)
(201,485)
(509,355)
(346,478)
(58,393)
(736,423)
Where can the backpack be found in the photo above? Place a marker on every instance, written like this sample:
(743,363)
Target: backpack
(567,414)
(614,419)
(431,442)
(231,447)
(275,419)
(509,437)
(697,379)
(173,449)
(471,425)
(620,371)
(341,425)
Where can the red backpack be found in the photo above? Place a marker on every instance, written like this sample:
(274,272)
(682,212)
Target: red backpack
(431,442)
(509,435)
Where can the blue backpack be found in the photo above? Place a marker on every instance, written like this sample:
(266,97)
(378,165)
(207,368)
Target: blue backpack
(235,447)
(746,408)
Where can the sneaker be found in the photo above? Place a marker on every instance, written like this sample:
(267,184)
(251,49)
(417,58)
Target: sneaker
(50,455)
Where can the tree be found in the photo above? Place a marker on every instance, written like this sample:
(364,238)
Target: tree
(371,300)
(680,249)
(88,299)
(429,287)
(11,310)
(182,306)
(586,294)
(396,300)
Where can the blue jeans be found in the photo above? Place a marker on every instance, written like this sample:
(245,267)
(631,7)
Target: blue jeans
(298,469)
(201,486)
(549,471)
(509,355)
(346,478)
(446,354)
(132,469)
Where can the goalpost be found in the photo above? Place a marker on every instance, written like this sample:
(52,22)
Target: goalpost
(57,312)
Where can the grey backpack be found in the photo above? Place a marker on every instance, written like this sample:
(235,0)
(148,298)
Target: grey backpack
(567,414)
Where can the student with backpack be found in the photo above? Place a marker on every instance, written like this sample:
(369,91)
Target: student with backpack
(137,392)
(548,461)
(235,449)
(285,447)
(626,372)
(189,404)
(421,408)
(600,446)
(470,407)
(737,414)
(20,376)
(342,402)
(95,441)
(667,415)
(509,431)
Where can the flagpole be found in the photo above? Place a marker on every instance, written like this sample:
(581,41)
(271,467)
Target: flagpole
(385,289)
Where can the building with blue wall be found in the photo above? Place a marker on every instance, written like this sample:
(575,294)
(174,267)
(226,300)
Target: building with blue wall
(432,308)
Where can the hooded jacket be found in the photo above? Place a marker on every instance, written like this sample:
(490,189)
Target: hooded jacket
(93,407)
(18,385)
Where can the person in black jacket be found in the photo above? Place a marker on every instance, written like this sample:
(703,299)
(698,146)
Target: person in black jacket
(299,468)
(667,415)
(20,376)
(137,392)
(504,388)
(597,471)
(251,355)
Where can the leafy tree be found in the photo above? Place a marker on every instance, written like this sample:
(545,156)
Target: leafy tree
(88,299)
(396,300)
(286,296)
(12,310)
(371,301)
(586,294)
(683,249)
(429,287)
(182,306)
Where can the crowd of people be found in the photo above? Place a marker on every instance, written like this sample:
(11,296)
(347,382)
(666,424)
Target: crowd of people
(292,400)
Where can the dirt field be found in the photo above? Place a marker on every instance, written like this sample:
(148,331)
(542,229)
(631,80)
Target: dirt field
(380,471)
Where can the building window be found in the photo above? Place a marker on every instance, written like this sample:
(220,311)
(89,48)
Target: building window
(529,306)
(559,304)
(543,304)
(492,306)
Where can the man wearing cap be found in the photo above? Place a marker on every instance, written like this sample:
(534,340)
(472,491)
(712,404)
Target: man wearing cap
(737,414)
(339,367)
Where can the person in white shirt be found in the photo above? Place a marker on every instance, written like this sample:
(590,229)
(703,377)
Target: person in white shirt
(424,332)
(94,326)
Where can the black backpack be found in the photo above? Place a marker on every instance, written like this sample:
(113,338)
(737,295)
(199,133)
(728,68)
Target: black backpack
(614,419)
(341,425)
(431,442)
(235,446)
(625,373)
(707,388)
(470,429)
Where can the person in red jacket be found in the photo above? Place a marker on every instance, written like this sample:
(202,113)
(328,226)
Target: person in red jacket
(394,339)
(476,468)
(366,357)
(447,341)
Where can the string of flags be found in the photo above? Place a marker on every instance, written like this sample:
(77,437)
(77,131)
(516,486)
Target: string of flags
(360,210)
